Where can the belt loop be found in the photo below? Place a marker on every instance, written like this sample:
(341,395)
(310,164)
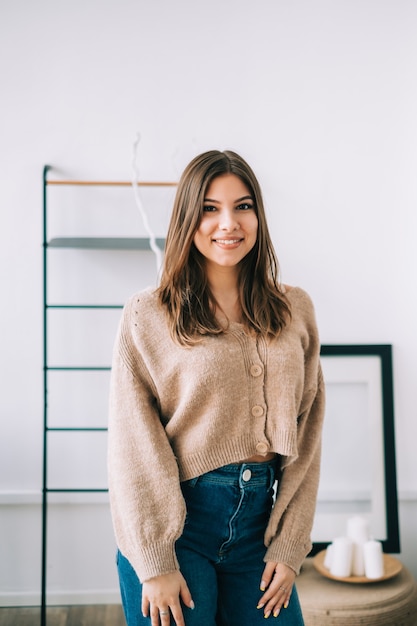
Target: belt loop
(274,468)
(271,475)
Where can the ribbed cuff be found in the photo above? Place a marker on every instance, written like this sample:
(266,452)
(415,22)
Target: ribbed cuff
(289,551)
(154,560)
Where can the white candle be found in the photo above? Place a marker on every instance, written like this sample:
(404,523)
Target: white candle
(358,531)
(341,564)
(358,560)
(328,556)
(374,560)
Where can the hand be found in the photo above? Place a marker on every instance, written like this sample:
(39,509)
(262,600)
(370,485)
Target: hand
(161,595)
(277,580)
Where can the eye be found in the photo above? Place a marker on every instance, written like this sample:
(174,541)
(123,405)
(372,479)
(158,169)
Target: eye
(245,206)
(208,208)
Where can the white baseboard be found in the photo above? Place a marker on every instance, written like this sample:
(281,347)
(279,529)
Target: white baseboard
(34,498)
(59,598)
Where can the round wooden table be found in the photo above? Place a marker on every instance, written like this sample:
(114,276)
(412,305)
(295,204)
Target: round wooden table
(328,602)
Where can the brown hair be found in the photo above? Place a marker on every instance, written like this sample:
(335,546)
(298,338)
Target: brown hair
(184,289)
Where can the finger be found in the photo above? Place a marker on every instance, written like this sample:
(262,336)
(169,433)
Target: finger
(185,596)
(286,589)
(287,595)
(283,601)
(280,605)
(154,613)
(160,616)
(164,616)
(271,589)
(145,606)
(267,575)
(287,600)
(177,615)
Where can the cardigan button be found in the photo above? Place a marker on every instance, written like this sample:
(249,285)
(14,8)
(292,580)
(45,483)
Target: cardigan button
(257,411)
(256,370)
(262,447)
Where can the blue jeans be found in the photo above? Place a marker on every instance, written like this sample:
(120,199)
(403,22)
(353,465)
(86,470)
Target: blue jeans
(221,550)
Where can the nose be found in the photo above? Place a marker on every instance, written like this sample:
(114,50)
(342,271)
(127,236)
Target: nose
(228,221)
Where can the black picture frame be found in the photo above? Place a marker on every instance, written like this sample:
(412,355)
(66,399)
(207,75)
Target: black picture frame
(391,542)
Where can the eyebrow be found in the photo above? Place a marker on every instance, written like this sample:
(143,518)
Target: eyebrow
(236,201)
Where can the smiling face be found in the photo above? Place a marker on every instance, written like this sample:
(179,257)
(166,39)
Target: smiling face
(228,228)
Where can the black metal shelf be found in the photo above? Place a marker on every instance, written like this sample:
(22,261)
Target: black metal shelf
(138,244)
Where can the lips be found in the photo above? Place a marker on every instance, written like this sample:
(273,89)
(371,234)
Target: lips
(227,242)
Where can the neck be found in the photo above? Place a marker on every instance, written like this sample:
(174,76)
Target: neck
(224,287)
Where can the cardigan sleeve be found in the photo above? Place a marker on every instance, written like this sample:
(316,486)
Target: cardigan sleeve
(148,510)
(289,529)
(288,535)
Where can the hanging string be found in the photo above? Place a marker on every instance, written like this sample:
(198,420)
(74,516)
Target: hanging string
(135,180)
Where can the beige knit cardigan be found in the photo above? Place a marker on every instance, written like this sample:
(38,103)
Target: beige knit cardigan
(178,412)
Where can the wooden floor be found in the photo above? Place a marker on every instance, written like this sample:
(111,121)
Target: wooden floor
(98,615)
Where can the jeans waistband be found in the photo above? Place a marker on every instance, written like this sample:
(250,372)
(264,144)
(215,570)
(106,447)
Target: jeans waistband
(244,474)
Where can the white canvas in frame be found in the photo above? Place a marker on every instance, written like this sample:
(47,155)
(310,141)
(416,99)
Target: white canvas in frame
(352,472)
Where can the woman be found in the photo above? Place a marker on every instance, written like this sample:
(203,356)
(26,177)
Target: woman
(216,392)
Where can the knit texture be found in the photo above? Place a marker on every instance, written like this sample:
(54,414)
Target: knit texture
(177,412)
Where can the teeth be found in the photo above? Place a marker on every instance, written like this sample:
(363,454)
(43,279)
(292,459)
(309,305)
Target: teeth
(227,241)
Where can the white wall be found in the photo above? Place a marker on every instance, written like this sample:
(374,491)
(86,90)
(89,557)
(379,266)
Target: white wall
(319,96)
